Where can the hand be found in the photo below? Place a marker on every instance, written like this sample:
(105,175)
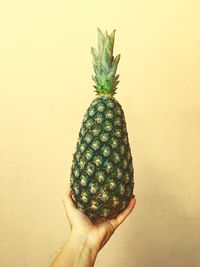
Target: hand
(94,235)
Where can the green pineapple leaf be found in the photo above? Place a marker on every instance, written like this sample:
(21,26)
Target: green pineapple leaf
(95,55)
(115,64)
(105,64)
(101,41)
(112,40)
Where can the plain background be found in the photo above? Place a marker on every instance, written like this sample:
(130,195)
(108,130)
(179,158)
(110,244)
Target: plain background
(45,89)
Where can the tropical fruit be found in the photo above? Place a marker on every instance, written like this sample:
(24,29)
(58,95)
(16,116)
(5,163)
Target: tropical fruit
(102,174)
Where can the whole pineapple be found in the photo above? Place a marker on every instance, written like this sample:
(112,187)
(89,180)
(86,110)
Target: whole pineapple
(102,172)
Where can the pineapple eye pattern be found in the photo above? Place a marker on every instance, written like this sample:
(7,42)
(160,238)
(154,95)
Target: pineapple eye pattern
(118,111)
(82,163)
(100,176)
(93,188)
(104,196)
(96,145)
(92,111)
(99,118)
(104,137)
(100,107)
(96,130)
(84,196)
(111,184)
(118,122)
(123,204)
(108,166)
(116,158)
(76,172)
(77,156)
(118,133)
(82,131)
(82,147)
(109,114)
(89,124)
(72,180)
(128,191)
(122,149)
(85,117)
(119,173)
(125,163)
(105,151)
(115,201)
(94,103)
(76,189)
(121,189)
(126,178)
(88,154)
(83,180)
(98,160)
(90,169)
(108,126)
(94,205)
(125,140)
(110,104)
(114,142)
(88,138)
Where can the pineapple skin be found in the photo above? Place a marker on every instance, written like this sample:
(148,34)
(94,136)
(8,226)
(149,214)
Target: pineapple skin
(102,173)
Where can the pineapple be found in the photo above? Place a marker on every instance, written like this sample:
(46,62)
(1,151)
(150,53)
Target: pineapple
(101,177)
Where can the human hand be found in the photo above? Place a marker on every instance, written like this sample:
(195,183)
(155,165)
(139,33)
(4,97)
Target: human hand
(93,235)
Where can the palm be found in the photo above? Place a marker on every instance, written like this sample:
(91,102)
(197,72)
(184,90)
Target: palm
(98,232)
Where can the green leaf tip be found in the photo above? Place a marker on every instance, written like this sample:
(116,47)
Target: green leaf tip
(105,64)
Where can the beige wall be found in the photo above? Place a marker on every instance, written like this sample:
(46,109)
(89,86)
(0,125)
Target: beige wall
(45,88)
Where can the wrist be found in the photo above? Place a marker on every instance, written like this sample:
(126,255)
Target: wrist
(84,241)
(75,252)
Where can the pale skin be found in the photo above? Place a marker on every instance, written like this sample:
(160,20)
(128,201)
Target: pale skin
(87,238)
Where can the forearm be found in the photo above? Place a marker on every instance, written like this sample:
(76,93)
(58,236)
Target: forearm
(75,253)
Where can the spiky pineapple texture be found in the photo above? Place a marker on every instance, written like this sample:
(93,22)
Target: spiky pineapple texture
(105,64)
(102,171)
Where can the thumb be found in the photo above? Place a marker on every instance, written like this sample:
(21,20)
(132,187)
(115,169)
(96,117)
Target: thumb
(68,204)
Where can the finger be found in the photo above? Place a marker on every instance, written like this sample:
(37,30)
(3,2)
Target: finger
(64,204)
(69,209)
(69,206)
(122,216)
(68,189)
(69,198)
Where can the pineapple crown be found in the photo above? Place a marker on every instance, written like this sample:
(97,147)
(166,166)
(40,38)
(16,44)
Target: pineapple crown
(105,64)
